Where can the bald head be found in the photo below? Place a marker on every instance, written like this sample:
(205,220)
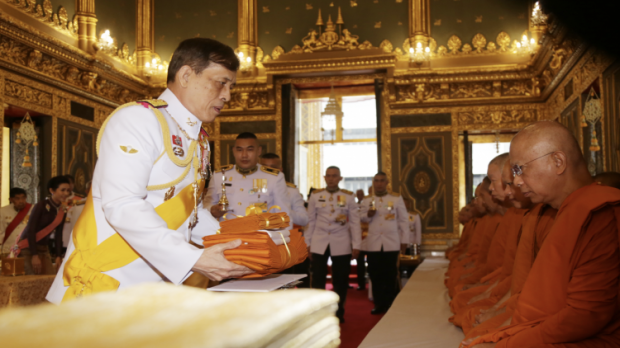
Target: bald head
(611,179)
(512,192)
(494,173)
(485,195)
(479,209)
(548,163)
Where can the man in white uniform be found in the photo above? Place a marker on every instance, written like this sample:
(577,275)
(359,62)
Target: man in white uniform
(388,229)
(144,206)
(249,185)
(415,227)
(333,231)
(13,218)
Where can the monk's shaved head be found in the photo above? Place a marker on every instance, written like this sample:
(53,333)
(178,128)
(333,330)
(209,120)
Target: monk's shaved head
(512,192)
(479,210)
(548,163)
(494,173)
(487,200)
(611,179)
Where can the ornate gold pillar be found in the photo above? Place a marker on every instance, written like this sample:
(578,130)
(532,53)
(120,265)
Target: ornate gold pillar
(419,22)
(247,28)
(145,15)
(87,25)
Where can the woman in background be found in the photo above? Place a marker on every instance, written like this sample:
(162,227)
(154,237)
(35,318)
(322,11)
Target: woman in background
(47,217)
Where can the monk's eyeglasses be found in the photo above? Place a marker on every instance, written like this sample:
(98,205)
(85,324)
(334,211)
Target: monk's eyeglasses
(517,170)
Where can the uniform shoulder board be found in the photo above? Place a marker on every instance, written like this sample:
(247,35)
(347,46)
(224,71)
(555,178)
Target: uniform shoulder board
(156,103)
(346,191)
(269,170)
(317,191)
(226,168)
(291,185)
(395,194)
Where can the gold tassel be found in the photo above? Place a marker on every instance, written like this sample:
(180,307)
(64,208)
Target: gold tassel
(584,124)
(594,143)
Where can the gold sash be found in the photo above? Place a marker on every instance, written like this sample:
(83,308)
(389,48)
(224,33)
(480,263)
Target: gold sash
(83,270)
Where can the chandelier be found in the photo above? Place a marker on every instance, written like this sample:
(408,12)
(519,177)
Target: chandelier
(27,134)
(538,17)
(333,111)
(592,113)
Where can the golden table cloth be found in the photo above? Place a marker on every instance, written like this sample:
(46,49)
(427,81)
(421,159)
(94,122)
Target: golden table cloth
(24,290)
(162,315)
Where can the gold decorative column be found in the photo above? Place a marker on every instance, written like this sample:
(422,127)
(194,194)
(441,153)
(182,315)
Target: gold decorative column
(87,26)
(145,15)
(419,22)
(247,28)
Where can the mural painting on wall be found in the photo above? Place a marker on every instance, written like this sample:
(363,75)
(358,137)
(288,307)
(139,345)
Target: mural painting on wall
(423,178)
(78,155)
(25,173)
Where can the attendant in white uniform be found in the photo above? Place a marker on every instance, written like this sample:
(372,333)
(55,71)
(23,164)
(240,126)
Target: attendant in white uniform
(299,215)
(249,185)
(13,218)
(154,154)
(388,230)
(333,231)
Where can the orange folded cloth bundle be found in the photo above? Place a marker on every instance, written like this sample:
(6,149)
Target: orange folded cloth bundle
(251,223)
(259,253)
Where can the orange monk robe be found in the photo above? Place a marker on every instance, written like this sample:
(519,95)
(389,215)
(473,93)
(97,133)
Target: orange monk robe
(508,229)
(475,236)
(571,293)
(463,243)
(536,225)
(477,253)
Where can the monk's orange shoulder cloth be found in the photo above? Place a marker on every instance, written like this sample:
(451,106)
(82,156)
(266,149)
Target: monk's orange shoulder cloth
(571,293)
(257,250)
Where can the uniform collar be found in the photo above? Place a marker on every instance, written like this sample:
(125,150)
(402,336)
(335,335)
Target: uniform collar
(336,190)
(382,194)
(186,120)
(246,171)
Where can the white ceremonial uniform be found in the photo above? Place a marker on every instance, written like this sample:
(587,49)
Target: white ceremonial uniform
(132,156)
(72,215)
(299,215)
(7,214)
(389,228)
(415,227)
(242,190)
(323,229)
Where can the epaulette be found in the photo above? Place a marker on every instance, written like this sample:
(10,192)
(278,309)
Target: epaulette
(226,168)
(78,195)
(291,185)
(346,191)
(395,194)
(318,191)
(269,170)
(156,103)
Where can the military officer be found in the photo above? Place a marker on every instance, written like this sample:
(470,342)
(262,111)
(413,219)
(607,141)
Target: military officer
(333,231)
(299,215)
(144,207)
(249,186)
(388,230)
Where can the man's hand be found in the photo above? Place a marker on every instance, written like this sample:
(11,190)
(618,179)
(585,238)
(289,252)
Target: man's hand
(36,264)
(355,253)
(58,263)
(214,265)
(403,249)
(217,212)
(371,213)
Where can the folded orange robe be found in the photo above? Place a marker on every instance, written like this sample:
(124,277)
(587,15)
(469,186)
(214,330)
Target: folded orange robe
(259,253)
(496,272)
(536,226)
(509,227)
(477,253)
(250,223)
(571,293)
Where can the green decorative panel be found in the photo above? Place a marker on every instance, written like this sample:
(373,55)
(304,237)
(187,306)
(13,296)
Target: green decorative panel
(285,22)
(176,21)
(118,16)
(466,18)
(422,164)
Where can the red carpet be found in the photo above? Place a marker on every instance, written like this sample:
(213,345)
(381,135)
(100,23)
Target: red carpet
(357,318)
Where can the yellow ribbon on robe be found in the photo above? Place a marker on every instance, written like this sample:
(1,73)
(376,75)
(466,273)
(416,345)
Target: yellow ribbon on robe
(83,270)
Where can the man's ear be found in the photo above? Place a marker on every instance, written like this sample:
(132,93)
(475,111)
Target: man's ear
(183,75)
(559,161)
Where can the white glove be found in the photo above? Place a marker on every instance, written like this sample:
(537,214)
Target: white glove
(276,236)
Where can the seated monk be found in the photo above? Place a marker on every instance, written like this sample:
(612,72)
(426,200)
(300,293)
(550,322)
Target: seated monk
(465,252)
(497,270)
(492,308)
(478,252)
(570,297)
(467,219)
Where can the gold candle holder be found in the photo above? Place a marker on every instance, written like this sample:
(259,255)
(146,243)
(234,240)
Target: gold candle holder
(223,200)
(373,206)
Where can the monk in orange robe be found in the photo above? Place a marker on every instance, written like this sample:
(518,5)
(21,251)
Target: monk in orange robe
(493,308)
(498,275)
(570,297)
(465,218)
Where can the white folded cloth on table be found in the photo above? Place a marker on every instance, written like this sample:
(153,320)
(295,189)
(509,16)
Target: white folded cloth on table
(276,236)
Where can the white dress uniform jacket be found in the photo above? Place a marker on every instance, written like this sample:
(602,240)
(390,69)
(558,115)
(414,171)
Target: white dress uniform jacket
(132,157)
(7,214)
(323,229)
(389,228)
(415,227)
(242,193)
(299,215)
